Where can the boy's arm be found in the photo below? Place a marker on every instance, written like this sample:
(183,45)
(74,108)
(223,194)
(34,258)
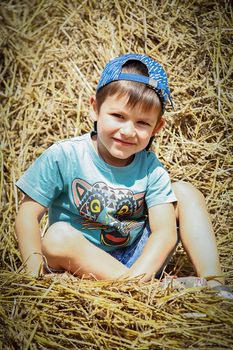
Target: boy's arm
(28,233)
(160,243)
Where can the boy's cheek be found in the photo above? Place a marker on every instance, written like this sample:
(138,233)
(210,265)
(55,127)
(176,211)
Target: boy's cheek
(109,124)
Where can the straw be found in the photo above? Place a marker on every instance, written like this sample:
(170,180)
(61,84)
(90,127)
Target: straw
(50,60)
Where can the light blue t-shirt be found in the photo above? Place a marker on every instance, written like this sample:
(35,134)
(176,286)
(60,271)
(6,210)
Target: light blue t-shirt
(107,204)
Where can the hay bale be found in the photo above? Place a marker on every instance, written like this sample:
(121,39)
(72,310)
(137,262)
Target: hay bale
(51,56)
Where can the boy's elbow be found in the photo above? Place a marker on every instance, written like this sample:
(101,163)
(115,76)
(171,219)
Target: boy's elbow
(174,237)
(171,240)
(168,239)
(174,242)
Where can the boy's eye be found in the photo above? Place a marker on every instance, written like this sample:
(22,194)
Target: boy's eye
(143,123)
(117,115)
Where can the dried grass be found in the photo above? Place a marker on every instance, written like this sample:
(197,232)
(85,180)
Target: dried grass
(51,56)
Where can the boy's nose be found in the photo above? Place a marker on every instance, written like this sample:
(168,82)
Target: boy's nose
(128,129)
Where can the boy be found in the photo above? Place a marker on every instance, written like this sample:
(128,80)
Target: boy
(112,208)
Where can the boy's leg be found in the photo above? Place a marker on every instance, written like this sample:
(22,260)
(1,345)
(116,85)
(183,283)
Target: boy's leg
(196,232)
(66,248)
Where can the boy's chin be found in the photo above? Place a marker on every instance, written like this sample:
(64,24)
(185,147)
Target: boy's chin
(123,159)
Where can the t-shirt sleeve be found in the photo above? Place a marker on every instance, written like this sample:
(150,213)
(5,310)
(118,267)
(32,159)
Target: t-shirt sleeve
(159,189)
(43,180)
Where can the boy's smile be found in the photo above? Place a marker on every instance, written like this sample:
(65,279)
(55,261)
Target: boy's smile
(123,131)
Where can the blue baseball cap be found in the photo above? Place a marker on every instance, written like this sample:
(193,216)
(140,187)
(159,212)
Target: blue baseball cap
(156,80)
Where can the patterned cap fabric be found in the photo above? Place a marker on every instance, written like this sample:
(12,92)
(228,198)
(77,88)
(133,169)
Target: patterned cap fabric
(157,76)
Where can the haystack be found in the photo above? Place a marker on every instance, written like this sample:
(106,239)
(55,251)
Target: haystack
(52,53)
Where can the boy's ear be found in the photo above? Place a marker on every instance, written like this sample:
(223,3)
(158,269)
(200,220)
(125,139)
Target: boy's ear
(93,108)
(159,126)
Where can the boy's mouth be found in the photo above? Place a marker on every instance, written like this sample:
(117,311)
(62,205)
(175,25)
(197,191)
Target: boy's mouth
(122,142)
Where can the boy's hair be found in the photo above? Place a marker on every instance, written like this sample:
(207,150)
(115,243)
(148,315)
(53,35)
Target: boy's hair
(137,76)
(138,93)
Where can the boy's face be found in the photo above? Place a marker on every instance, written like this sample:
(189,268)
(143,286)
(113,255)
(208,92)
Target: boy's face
(123,131)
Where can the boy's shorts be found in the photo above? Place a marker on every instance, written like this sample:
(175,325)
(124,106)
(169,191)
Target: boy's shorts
(126,255)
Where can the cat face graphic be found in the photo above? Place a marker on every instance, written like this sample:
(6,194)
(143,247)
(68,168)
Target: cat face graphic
(113,208)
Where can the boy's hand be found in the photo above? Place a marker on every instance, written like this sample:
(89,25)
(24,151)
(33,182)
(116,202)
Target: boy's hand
(34,265)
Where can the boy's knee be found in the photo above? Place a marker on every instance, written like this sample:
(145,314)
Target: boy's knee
(186,191)
(56,239)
